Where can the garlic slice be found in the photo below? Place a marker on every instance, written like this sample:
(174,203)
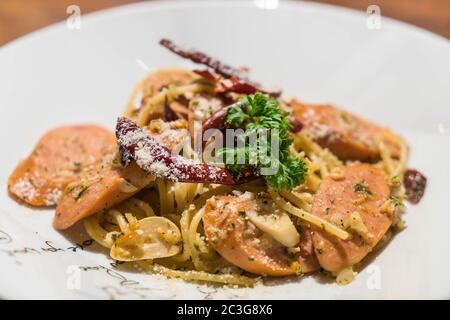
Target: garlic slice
(278,225)
(345,276)
(155,237)
(357,224)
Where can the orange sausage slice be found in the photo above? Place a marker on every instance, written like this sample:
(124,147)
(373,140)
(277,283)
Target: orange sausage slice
(360,194)
(152,84)
(346,135)
(106,185)
(242,244)
(58,158)
(100,189)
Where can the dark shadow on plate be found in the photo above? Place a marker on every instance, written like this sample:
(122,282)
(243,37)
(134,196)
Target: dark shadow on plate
(76,234)
(371,257)
(319,277)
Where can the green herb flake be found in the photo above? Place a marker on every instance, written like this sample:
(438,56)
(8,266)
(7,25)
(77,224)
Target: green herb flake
(362,187)
(77,166)
(81,192)
(116,236)
(396,201)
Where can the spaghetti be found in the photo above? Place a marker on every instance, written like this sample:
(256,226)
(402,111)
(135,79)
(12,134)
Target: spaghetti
(184,203)
(337,185)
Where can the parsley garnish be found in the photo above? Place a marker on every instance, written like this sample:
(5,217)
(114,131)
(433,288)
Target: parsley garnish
(258,113)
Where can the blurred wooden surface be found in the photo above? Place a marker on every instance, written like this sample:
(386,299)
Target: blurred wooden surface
(18,17)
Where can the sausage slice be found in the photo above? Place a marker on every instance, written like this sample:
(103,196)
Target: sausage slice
(58,158)
(98,190)
(151,85)
(238,240)
(346,135)
(353,202)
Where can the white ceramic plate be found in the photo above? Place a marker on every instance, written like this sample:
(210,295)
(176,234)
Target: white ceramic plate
(397,75)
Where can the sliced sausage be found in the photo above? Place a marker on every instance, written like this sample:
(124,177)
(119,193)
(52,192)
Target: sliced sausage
(361,193)
(151,85)
(306,256)
(106,185)
(238,240)
(99,189)
(346,135)
(58,158)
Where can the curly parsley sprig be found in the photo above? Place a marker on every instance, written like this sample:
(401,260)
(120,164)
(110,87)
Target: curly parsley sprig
(260,112)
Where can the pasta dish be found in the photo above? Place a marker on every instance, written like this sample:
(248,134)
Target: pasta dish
(212,177)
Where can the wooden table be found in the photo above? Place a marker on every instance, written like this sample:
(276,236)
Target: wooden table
(18,17)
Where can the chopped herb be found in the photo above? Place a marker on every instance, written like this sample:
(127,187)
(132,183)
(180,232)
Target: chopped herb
(288,252)
(83,189)
(116,160)
(215,238)
(115,236)
(251,258)
(396,201)
(395,181)
(77,166)
(362,187)
(210,111)
(224,207)
(69,189)
(231,227)
(319,251)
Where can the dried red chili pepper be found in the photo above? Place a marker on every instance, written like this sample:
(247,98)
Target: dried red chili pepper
(135,143)
(415,184)
(239,83)
(201,58)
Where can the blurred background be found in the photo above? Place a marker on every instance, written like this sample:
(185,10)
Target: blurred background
(18,17)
